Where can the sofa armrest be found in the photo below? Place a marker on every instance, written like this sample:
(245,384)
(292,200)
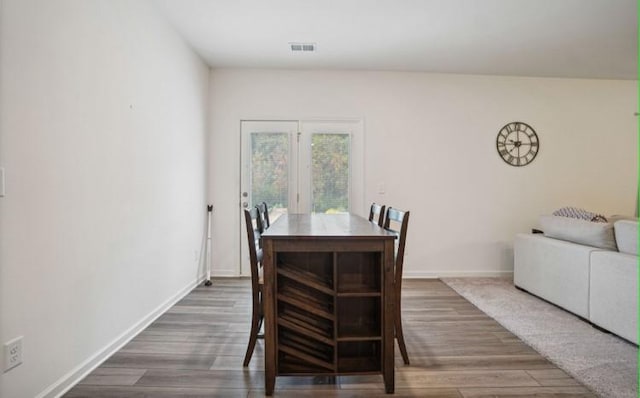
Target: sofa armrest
(556,270)
(627,236)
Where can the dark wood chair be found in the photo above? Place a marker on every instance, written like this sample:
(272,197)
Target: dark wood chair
(376,213)
(254,231)
(397,221)
(263,211)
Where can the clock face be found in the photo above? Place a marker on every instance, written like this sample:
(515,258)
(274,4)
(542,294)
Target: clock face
(517,144)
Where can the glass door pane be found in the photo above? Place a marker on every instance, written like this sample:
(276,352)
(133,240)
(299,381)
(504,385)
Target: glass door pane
(269,172)
(330,172)
(330,166)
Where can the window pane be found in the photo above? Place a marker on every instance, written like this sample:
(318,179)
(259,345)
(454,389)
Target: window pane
(330,173)
(270,170)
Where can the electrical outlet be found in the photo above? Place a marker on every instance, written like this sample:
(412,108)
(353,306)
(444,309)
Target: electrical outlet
(12,353)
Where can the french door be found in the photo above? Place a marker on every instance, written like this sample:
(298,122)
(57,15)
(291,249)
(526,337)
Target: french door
(300,166)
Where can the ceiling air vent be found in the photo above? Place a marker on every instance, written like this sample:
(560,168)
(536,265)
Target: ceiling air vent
(304,47)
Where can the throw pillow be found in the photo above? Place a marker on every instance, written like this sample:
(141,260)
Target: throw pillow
(582,214)
(596,234)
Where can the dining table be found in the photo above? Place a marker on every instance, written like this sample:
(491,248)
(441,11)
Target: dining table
(328,297)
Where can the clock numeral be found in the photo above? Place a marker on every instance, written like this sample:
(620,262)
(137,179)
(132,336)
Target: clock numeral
(509,128)
(516,127)
(503,152)
(510,159)
(534,144)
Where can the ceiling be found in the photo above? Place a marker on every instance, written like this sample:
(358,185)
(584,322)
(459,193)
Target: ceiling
(547,38)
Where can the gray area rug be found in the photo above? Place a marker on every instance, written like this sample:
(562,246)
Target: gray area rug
(606,364)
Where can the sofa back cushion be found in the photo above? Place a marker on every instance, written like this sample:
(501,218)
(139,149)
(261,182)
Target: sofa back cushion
(626,232)
(595,234)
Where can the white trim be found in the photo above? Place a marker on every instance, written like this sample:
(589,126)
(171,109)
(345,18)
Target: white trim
(456,274)
(69,380)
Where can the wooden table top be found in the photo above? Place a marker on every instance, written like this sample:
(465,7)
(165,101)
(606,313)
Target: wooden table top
(313,226)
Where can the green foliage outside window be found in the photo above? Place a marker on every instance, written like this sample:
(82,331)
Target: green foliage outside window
(329,171)
(270,169)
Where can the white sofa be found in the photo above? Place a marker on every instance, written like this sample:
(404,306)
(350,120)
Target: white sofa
(589,269)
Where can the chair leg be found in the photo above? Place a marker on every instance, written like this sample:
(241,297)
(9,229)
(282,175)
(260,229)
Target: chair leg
(260,315)
(256,323)
(400,335)
(261,318)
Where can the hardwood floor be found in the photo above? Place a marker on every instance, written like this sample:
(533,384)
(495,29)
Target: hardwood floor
(196,350)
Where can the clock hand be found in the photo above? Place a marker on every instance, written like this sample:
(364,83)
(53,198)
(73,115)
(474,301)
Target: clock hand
(516,143)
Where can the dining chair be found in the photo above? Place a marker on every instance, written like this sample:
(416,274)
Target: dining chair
(376,213)
(254,228)
(263,211)
(397,221)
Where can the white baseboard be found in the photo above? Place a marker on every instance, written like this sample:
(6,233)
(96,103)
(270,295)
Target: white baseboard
(455,274)
(420,274)
(66,382)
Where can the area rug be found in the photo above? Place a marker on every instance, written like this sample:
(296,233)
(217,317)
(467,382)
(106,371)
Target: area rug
(606,364)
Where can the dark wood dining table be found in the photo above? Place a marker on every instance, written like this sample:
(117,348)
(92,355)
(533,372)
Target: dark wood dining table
(328,297)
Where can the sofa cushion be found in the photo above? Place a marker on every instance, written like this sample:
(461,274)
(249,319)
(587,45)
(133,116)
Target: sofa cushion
(595,234)
(617,217)
(626,233)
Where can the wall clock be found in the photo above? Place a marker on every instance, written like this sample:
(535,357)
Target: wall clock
(517,143)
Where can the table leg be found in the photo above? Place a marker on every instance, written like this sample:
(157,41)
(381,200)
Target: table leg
(269,317)
(388,365)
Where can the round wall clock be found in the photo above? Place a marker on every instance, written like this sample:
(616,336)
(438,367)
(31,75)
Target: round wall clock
(517,143)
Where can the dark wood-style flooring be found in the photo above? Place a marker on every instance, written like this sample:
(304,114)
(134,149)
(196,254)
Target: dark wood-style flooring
(196,349)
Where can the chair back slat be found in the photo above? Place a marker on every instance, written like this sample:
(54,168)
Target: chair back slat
(254,233)
(376,213)
(263,212)
(397,221)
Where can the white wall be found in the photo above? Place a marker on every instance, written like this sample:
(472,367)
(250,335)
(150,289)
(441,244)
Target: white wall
(430,139)
(103,138)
